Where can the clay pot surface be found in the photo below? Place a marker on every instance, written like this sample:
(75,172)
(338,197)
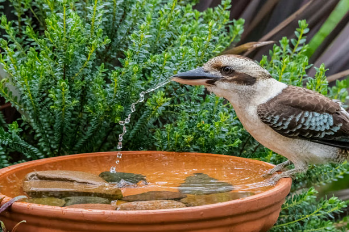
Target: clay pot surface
(93,206)
(151,205)
(254,213)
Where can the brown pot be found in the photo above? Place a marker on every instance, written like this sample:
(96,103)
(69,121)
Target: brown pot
(255,213)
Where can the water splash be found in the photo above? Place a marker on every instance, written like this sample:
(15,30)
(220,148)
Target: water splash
(112,169)
(128,119)
(119,155)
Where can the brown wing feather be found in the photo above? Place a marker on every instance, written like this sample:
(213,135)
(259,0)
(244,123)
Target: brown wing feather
(301,113)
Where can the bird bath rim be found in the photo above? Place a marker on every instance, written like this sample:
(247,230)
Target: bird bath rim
(273,198)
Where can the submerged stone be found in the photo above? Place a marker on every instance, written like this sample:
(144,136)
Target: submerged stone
(93,206)
(126,184)
(52,201)
(118,176)
(85,200)
(116,203)
(151,205)
(200,183)
(65,175)
(155,195)
(196,200)
(60,189)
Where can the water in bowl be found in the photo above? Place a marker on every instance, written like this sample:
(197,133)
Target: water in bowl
(160,180)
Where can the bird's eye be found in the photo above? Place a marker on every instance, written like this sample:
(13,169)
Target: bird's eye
(227,70)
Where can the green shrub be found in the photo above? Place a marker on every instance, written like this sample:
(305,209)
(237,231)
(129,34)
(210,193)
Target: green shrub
(75,69)
(80,66)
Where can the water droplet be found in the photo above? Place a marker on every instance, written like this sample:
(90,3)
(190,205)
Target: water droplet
(119,145)
(141,97)
(128,119)
(112,170)
(158,86)
(114,203)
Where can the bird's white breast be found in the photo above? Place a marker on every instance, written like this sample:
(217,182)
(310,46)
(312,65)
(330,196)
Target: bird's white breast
(291,148)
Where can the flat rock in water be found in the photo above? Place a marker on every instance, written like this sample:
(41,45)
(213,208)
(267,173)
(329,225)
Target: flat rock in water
(93,206)
(151,205)
(200,183)
(118,176)
(65,175)
(52,201)
(116,203)
(155,195)
(85,200)
(126,184)
(47,188)
(196,200)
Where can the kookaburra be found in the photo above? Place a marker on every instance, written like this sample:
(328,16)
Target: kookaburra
(302,125)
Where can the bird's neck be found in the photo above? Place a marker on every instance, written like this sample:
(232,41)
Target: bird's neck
(247,96)
(246,100)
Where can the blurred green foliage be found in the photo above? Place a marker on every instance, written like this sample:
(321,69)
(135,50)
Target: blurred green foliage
(78,66)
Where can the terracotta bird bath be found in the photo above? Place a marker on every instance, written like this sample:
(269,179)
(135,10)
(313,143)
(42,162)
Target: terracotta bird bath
(253,213)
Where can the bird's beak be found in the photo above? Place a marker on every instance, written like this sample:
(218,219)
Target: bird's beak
(195,77)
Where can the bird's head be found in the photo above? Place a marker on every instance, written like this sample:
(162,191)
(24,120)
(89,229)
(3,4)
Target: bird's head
(226,74)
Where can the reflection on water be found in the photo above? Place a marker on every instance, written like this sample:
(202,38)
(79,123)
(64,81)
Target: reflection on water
(152,180)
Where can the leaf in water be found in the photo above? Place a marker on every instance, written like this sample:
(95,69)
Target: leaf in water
(10,202)
(2,227)
(16,226)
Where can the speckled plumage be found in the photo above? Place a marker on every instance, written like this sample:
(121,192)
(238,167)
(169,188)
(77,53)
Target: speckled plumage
(302,125)
(301,113)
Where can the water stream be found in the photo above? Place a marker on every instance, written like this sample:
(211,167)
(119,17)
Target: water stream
(128,119)
(147,181)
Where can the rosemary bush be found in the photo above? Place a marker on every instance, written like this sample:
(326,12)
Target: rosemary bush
(75,68)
